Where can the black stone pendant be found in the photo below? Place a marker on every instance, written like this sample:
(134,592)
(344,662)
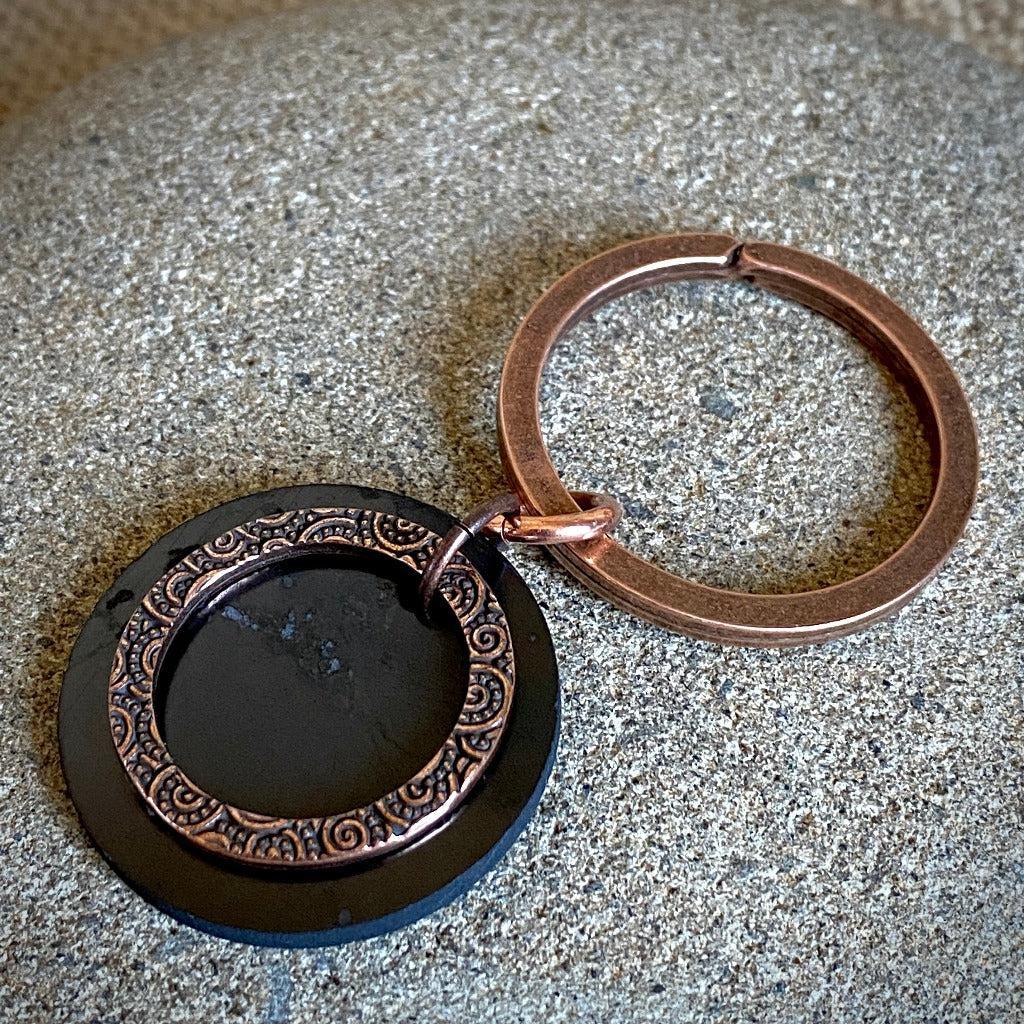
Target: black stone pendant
(271,656)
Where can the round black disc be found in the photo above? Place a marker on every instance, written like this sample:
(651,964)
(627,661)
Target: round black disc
(312,687)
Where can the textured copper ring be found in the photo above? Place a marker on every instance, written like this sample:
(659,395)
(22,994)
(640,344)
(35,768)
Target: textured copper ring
(768,620)
(390,822)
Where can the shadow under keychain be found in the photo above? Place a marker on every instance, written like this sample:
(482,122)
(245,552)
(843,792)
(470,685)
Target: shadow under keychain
(369,591)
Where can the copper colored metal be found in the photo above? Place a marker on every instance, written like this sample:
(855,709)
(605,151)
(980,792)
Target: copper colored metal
(503,519)
(456,537)
(596,516)
(724,616)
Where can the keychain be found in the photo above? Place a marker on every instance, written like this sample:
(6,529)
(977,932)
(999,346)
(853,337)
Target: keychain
(460,580)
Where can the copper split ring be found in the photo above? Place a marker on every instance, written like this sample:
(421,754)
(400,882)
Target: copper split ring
(764,620)
(504,520)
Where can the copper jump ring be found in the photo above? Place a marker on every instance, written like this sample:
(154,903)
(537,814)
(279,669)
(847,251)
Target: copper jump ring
(505,521)
(763,620)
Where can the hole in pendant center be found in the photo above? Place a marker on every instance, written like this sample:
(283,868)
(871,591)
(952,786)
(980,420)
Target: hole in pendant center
(312,687)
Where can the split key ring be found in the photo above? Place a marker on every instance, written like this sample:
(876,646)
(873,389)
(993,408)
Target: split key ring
(710,613)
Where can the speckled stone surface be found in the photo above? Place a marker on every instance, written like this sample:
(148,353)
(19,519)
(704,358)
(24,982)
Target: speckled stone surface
(296,253)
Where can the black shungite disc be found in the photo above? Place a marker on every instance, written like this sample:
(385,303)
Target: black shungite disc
(308,688)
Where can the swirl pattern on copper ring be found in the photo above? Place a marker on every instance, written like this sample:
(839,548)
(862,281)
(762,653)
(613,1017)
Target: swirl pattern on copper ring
(393,820)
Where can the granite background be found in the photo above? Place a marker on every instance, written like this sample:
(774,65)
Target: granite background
(296,251)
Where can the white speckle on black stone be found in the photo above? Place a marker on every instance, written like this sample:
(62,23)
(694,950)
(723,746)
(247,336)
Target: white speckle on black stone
(234,614)
(289,628)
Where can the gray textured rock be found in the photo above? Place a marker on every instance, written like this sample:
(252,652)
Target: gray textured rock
(297,252)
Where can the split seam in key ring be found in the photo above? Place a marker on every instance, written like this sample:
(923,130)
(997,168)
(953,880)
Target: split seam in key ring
(724,616)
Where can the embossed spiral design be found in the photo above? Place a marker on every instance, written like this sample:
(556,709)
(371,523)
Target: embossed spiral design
(392,821)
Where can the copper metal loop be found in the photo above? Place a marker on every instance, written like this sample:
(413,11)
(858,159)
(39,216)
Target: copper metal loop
(505,521)
(763,620)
